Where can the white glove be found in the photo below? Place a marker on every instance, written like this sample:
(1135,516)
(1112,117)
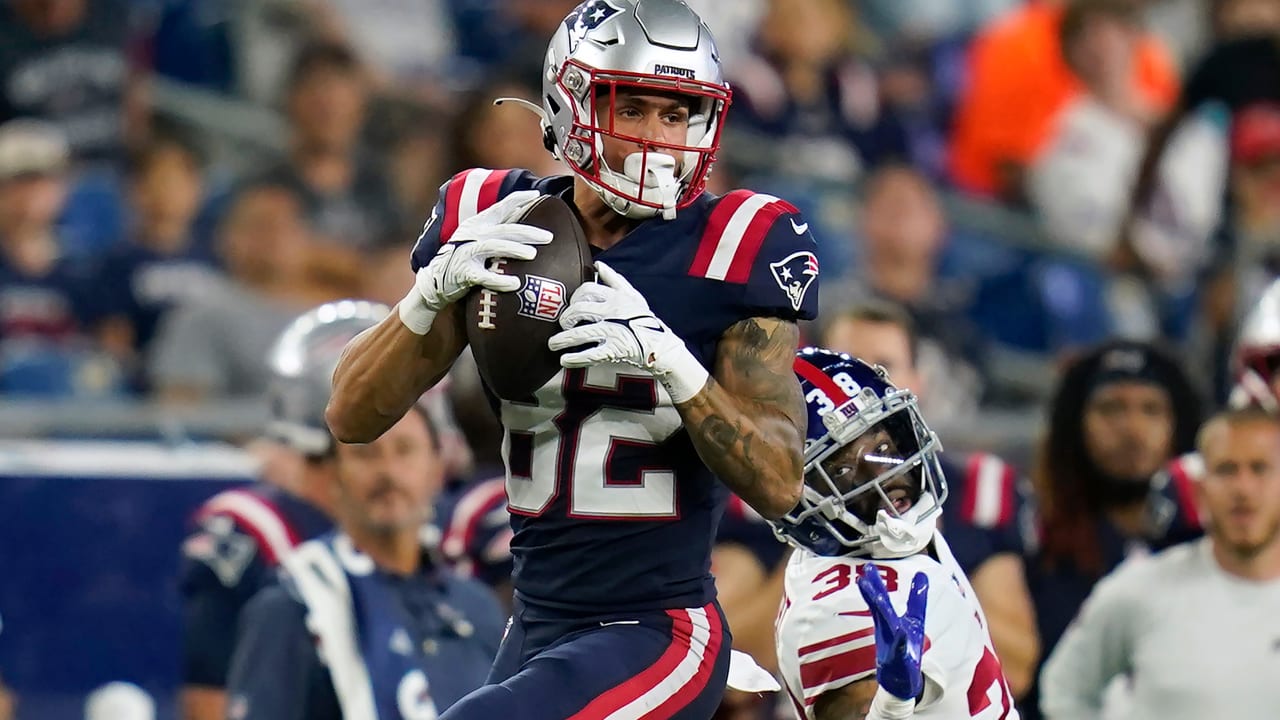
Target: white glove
(463,262)
(615,319)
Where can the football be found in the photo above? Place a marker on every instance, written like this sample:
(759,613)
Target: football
(508,331)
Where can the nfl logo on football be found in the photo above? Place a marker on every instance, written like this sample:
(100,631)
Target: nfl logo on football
(541,298)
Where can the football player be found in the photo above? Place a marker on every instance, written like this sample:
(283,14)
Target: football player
(243,534)
(678,382)
(988,521)
(872,497)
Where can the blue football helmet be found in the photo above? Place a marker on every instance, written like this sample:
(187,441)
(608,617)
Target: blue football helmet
(872,483)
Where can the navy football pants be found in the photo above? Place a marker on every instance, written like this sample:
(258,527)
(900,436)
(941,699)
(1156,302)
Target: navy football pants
(656,665)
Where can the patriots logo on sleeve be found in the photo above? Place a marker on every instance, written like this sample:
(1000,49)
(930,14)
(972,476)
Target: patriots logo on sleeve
(794,274)
(226,551)
(587,18)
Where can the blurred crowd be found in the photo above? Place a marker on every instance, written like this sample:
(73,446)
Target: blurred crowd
(1027,178)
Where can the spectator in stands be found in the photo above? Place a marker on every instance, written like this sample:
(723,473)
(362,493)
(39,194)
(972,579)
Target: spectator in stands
(1193,628)
(1255,193)
(347,197)
(407,45)
(485,135)
(67,62)
(508,39)
(1241,71)
(1079,181)
(903,234)
(160,265)
(213,347)
(986,513)
(1017,84)
(1120,414)
(46,309)
(806,105)
(733,25)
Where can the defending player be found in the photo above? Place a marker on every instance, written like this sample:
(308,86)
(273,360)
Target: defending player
(680,371)
(872,495)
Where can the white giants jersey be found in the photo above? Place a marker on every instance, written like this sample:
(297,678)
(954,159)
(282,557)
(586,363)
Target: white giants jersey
(826,636)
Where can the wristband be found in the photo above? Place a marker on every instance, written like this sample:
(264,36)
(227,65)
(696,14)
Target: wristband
(415,314)
(683,376)
(887,706)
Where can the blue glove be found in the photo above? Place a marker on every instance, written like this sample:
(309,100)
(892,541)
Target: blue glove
(899,640)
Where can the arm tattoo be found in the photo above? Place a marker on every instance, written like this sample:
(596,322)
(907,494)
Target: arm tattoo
(851,702)
(748,423)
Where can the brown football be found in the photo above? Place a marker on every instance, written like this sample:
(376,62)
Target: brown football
(508,331)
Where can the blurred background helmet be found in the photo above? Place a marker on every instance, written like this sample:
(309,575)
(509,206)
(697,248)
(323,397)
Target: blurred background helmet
(302,362)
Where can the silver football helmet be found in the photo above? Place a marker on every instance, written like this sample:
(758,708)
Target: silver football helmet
(654,46)
(1256,356)
(302,362)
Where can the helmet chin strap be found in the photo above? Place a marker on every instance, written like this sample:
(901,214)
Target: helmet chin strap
(897,537)
(659,182)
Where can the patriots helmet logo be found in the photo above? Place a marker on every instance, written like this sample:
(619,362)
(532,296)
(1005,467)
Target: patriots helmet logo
(794,274)
(588,17)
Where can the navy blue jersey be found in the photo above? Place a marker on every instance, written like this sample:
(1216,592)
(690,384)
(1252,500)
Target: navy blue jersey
(140,284)
(986,512)
(611,506)
(233,553)
(54,308)
(438,634)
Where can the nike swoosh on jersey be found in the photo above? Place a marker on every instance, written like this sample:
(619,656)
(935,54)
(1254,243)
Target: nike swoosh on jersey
(800,229)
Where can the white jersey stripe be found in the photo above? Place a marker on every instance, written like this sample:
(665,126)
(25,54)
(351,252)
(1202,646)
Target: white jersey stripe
(988,504)
(811,694)
(734,233)
(258,515)
(683,674)
(469,199)
(840,649)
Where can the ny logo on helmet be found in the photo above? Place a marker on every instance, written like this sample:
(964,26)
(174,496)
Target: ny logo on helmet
(587,18)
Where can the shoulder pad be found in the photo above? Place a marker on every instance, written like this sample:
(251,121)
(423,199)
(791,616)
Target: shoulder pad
(257,516)
(470,192)
(461,197)
(220,546)
(736,228)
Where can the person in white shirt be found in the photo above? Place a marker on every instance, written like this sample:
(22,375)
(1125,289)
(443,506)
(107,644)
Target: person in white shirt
(867,517)
(1194,628)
